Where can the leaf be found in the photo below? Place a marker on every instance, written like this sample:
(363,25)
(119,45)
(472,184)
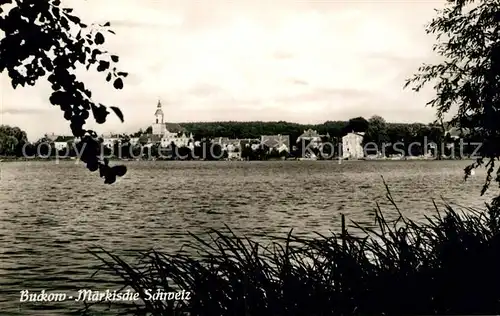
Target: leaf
(108,77)
(118,83)
(99,113)
(123,74)
(103,65)
(110,178)
(110,31)
(57,97)
(107,24)
(103,170)
(74,19)
(115,58)
(64,22)
(118,112)
(92,166)
(99,38)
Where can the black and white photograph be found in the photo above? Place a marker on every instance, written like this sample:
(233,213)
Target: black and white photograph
(249,157)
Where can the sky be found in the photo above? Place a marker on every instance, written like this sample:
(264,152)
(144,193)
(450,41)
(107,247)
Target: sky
(244,60)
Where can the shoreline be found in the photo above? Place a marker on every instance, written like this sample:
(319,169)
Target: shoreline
(230,160)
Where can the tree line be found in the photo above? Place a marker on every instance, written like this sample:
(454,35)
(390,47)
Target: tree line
(376,131)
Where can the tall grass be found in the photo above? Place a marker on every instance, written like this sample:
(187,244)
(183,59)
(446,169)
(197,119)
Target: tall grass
(447,264)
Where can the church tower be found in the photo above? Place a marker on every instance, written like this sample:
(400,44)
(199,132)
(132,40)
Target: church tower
(159,113)
(159,125)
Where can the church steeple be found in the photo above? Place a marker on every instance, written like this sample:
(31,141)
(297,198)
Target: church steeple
(159,113)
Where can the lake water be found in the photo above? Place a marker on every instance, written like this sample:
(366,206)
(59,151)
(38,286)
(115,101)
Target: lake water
(50,214)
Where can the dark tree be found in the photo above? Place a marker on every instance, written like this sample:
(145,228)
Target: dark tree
(335,130)
(185,153)
(357,124)
(136,152)
(43,40)
(468,39)
(207,150)
(44,148)
(273,154)
(247,153)
(215,151)
(376,132)
(12,140)
(326,150)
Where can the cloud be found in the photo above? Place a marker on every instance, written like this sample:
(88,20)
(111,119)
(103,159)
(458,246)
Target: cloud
(283,55)
(299,82)
(326,95)
(25,111)
(205,90)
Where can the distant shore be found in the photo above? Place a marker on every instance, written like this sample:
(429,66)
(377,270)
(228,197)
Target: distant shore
(17,159)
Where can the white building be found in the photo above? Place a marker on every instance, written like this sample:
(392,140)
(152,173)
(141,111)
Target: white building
(279,142)
(178,140)
(60,141)
(110,140)
(311,136)
(352,146)
(134,141)
(232,146)
(60,145)
(234,155)
(169,132)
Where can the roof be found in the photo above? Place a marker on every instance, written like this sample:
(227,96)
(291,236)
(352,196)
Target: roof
(51,137)
(111,136)
(220,140)
(456,132)
(234,142)
(309,134)
(61,138)
(146,138)
(174,128)
(246,142)
(143,139)
(275,140)
(361,134)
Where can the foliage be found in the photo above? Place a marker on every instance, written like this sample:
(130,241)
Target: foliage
(446,265)
(393,132)
(258,153)
(255,129)
(207,150)
(43,40)
(357,124)
(468,39)
(376,132)
(243,130)
(12,140)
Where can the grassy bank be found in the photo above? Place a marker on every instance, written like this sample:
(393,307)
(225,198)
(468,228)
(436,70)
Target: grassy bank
(448,264)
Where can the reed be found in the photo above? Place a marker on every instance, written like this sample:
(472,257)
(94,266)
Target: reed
(447,264)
